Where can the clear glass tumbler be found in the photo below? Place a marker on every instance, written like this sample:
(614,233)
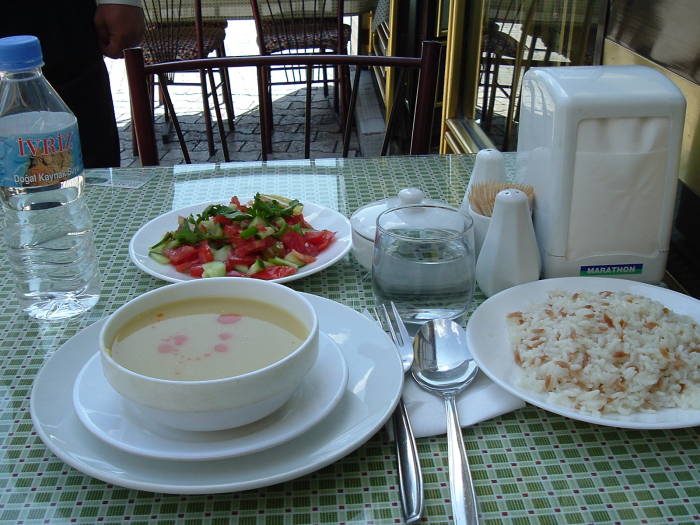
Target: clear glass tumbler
(424,261)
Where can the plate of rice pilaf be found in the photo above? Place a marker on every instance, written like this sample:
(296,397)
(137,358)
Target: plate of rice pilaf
(607,351)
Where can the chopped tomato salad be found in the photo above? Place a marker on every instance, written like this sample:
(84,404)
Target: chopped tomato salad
(266,238)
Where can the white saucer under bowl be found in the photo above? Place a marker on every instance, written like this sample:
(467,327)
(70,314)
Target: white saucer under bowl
(104,413)
(375,380)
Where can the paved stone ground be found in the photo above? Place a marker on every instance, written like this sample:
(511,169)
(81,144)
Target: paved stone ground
(244,141)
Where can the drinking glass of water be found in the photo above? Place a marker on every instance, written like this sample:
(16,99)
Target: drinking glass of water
(424,261)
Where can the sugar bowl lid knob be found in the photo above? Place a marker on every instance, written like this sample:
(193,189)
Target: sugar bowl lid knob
(409,196)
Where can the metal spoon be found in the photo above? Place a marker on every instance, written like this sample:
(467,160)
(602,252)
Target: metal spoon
(443,365)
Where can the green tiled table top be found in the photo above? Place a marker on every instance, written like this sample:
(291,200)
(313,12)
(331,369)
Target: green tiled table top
(529,466)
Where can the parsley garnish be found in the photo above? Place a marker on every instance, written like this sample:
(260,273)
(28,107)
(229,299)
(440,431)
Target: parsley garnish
(270,208)
(195,228)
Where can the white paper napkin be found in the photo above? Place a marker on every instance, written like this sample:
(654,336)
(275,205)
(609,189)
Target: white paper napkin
(482,400)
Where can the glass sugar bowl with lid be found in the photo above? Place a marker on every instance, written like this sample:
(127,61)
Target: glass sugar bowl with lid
(364,221)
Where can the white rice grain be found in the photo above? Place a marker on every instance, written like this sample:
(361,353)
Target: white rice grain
(608,352)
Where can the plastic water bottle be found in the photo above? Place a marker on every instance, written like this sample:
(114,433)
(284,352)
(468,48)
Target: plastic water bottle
(47,226)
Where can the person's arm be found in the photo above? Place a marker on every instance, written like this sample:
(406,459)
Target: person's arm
(119,24)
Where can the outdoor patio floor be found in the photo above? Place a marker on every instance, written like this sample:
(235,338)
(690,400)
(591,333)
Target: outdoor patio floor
(244,141)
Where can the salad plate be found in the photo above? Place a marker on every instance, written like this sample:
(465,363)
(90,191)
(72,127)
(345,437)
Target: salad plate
(320,217)
(103,412)
(375,380)
(488,341)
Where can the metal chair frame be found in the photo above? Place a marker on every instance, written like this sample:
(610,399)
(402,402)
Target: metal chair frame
(299,27)
(165,36)
(427,67)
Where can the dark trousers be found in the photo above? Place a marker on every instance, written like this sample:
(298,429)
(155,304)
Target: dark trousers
(89,96)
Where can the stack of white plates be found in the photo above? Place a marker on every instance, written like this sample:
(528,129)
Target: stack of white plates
(346,398)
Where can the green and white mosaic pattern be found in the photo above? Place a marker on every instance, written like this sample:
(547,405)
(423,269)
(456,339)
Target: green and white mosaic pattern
(529,467)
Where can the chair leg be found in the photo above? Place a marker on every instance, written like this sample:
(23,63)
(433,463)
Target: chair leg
(270,109)
(176,124)
(336,103)
(134,146)
(267,146)
(341,102)
(342,94)
(167,135)
(219,119)
(325,81)
(151,91)
(227,93)
(307,114)
(485,95)
(263,109)
(207,112)
(494,89)
(347,130)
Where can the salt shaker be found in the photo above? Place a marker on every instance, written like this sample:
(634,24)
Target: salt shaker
(489,166)
(509,255)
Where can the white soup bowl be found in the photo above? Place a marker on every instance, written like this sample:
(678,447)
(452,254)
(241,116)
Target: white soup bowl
(215,404)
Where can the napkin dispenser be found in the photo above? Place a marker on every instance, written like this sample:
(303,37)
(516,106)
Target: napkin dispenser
(601,145)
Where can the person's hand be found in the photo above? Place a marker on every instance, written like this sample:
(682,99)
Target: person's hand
(118,27)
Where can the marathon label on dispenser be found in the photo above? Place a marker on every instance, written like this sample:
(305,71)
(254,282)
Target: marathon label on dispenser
(31,160)
(611,269)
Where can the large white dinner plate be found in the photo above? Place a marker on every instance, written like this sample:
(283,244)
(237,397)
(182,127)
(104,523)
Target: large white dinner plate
(375,379)
(488,340)
(104,413)
(320,217)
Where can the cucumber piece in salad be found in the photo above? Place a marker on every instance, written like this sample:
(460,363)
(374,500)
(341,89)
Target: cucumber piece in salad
(256,267)
(222,253)
(276,261)
(159,257)
(155,252)
(214,269)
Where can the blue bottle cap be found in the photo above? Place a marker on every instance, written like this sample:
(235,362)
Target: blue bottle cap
(18,53)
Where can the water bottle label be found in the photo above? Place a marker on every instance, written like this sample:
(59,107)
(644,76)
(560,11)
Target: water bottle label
(31,159)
